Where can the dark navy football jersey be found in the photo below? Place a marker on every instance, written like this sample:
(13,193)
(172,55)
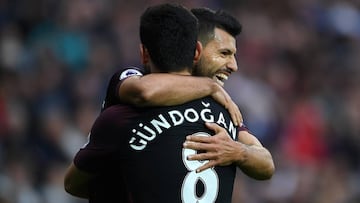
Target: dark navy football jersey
(111,97)
(137,155)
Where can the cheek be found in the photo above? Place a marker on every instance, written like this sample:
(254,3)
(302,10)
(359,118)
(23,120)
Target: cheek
(210,64)
(213,58)
(215,63)
(210,67)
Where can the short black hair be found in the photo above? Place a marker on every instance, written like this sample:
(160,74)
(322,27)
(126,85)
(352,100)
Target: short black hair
(210,19)
(169,33)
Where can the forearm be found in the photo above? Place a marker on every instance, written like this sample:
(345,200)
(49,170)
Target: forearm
(165,89)
(162,89)
(255,161)
(76,182)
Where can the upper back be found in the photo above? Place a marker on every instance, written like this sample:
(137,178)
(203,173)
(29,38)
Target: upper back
(156,162)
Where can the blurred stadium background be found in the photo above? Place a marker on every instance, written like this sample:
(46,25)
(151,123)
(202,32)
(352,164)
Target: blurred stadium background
(298,87)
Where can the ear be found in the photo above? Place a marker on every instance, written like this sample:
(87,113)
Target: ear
(198,51)
(144,54)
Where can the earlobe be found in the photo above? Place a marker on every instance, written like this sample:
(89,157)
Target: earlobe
(197,51)
(144,54)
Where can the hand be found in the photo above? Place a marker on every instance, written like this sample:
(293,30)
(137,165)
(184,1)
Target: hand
(221,96)
(219,149)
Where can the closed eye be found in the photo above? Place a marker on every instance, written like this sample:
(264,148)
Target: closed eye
(226,53)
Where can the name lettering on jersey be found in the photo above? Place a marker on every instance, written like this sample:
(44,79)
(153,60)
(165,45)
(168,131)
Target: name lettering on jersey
(147,132)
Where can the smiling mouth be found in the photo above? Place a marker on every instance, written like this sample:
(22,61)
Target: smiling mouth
(221,78)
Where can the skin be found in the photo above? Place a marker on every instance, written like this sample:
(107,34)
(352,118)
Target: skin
(218,58)
(76,181)
(145,92)
(217,61)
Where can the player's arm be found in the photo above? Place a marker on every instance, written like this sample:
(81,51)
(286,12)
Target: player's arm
(162,89)
(76,182)
(253,158)
(247,153)
(94,157)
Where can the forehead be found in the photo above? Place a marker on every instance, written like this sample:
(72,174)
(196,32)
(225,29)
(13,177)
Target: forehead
(223,40)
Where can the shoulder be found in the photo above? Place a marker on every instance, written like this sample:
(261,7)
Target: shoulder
(130,72)
(126,72)
(123,73)
(115,81)
(112,122)
(117,113)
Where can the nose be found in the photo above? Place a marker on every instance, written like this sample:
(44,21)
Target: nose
(232,64)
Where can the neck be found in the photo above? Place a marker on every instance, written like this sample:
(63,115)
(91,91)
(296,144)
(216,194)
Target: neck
(185,71)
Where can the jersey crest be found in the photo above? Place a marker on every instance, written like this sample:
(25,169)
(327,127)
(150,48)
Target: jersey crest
(129,73)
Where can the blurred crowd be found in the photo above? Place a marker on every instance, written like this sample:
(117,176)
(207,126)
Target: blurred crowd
(298,87)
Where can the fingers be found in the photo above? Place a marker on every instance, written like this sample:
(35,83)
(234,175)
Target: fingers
(215,128)
(208,165)
(203,156)
(235,113)
(214,148)
(197,145)
(199,139)
(224,98)
(233,110)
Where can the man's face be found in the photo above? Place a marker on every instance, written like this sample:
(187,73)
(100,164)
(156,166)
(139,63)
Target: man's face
(217,59)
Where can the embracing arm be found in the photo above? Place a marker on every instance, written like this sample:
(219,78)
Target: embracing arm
(247,153)
(76,182)
(254,159)
(163,89)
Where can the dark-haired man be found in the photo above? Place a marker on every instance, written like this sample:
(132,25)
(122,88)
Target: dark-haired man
(136,154)
(217,33)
